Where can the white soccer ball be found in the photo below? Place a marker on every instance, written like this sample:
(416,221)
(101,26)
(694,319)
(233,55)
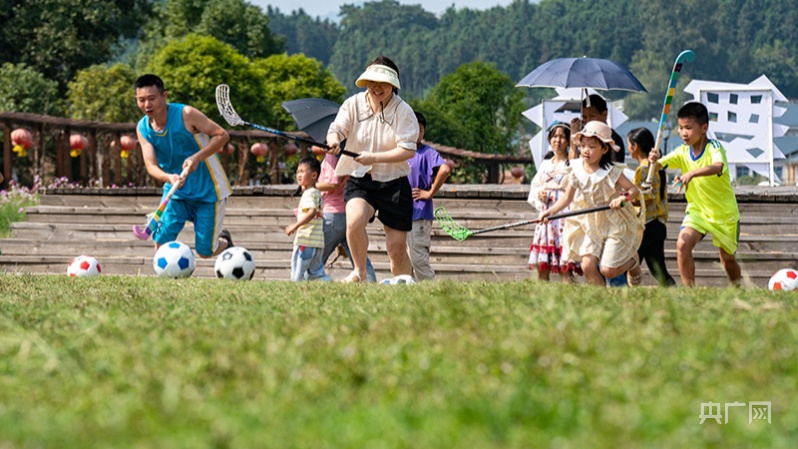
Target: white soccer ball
(235,263)
(174,260)
(84,266)
(399,280)
(784,279)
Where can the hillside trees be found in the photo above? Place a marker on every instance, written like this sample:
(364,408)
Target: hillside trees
(59,37)
(476,107)
(193,66)
(23,89)
(286,78)
(104,94)
(314,38)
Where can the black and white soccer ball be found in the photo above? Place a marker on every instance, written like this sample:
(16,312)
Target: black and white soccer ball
(235,263)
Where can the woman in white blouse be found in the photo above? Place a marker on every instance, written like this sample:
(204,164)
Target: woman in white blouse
(382,128)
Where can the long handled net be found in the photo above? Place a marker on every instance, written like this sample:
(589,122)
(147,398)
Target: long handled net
(231,116)
(460,232)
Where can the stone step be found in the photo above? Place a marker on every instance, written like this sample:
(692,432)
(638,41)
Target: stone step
(129,256)
(279,270)
(520,237)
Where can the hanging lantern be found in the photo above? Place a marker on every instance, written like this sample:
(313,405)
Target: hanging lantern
(229,147)
(290,149)
(260,150)
(22,140)
(77,142)
(517,172)
(126,144)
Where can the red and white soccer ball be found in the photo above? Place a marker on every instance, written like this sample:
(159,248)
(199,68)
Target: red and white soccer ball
(83,266)
(784,279)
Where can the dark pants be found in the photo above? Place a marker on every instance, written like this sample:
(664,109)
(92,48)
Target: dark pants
(652,250)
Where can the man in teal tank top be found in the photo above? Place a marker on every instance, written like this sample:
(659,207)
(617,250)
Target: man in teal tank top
(176,138)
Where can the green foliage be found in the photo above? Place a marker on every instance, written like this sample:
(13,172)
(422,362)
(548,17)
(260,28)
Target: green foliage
(314,38)
(103,93)
(58,37)
(13,203)
(287,78)
(193,66)
(130,362)
(235,22)
(385,28)
(23,89)
(476,108)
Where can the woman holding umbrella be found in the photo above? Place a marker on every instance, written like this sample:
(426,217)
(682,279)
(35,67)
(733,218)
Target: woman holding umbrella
(383,129)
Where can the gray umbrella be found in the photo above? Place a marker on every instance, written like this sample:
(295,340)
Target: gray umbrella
(583,73)
(313,115)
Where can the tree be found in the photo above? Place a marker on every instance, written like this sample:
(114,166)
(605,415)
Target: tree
(476,108)
(23,89)
(286,78)
(383,28)
(193,66)
(58,37)
(104,94)
(235,22)
(314,38)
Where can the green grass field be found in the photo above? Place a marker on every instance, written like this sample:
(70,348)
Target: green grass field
(125,362)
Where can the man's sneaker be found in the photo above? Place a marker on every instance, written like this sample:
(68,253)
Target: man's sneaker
(225,234)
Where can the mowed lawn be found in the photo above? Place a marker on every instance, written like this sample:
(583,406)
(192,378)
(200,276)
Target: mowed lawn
(127,362)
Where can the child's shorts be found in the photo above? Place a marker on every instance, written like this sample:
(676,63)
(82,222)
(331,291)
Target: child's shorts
(724,236)
(206,216)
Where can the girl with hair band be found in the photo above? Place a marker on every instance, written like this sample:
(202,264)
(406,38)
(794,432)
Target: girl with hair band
(548,185)
(606,241)
(383,129)
(652,249)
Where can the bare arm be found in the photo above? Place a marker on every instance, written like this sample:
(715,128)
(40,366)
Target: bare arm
(301,221)
(387,157)
(196,122)
(443,173)
(710,170)
(632,193)
(561,204)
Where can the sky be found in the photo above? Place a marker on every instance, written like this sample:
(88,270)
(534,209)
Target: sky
(329,8)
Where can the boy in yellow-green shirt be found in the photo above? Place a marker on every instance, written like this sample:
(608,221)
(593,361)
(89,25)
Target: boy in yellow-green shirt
(711,204)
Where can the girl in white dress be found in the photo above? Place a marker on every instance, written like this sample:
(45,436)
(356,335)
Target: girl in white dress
(548,185)
(605,242)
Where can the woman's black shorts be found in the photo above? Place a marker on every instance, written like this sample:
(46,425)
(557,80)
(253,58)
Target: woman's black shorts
(393,200)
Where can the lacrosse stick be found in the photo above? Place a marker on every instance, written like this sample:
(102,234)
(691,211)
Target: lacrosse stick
(154,218)
(461,233)
(685,56)
(231,116)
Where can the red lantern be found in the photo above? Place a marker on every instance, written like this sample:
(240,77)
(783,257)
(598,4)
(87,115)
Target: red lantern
(517,171)
(260,150)
(77,142)
(126,143)
(229,147)
(290,149)
(22,140)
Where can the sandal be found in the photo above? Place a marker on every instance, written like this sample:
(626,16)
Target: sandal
(634,279)
(352,278)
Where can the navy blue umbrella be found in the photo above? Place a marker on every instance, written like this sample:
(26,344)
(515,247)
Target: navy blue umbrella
(584,73)
(313,115)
